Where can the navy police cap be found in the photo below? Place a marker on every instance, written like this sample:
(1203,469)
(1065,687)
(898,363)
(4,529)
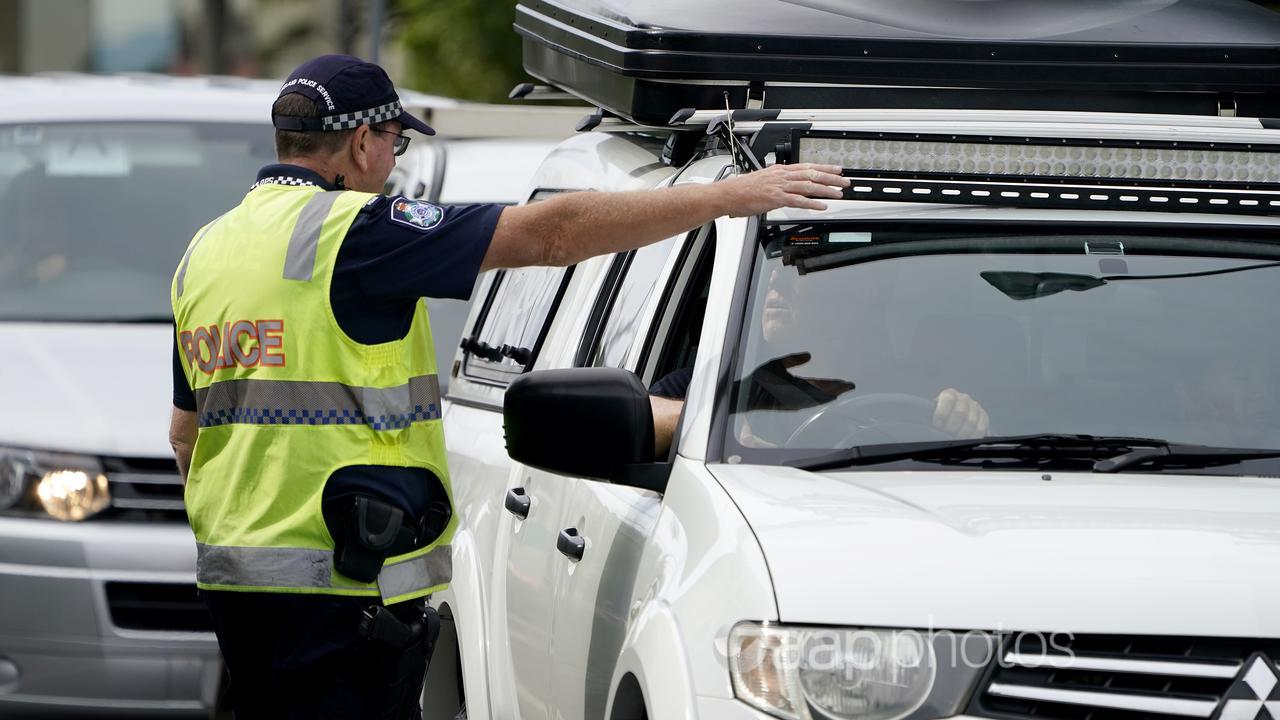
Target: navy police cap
(348,92)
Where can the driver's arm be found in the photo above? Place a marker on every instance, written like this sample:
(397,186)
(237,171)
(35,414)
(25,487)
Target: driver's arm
(666,414)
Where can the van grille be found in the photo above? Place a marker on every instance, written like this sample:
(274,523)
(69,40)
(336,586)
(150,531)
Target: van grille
(145,489)
(1113,677)
(161,607)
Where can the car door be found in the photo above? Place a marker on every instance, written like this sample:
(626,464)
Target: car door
(593,594)
(511,503)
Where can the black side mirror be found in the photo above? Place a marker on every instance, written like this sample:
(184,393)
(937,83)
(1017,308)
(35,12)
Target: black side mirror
(588,422)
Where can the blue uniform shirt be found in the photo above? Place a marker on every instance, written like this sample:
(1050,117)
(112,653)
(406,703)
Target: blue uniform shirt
(384,268)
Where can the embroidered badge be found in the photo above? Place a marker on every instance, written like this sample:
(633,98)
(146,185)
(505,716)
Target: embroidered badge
(416,213)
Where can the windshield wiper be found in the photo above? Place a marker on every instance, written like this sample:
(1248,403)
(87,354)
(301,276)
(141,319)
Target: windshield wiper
(1190,456)
(1052,444)
(1136,451)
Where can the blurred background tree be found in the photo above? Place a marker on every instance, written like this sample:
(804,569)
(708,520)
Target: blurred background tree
(460,48)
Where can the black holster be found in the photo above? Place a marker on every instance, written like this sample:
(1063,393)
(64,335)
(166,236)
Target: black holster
(403,637)
(371,532)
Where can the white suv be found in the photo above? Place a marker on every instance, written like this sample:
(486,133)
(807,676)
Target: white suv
(102,181)
(1105,285)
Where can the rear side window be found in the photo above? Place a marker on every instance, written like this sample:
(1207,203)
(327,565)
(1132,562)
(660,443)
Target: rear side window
(514,321)
(617,317)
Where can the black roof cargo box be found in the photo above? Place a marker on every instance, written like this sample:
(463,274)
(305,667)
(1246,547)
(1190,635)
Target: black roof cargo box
(646,59)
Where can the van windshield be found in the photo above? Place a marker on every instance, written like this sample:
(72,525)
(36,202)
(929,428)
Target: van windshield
(852,335)
(94,217)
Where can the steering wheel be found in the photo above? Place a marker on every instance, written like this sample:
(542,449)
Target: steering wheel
(869,419)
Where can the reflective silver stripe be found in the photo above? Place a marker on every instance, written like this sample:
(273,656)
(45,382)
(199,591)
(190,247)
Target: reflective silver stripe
(300,261)
(264,567)
(287,402)
(305,568)
(420,573)
(182,271)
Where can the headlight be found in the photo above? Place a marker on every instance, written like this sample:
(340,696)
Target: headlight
(831,674)
(59,485)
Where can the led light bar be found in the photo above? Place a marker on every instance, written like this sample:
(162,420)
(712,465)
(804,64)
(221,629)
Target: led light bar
(1044,160)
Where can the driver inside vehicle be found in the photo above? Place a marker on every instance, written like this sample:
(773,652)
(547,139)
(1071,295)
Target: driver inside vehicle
(806,367)
(1232,402)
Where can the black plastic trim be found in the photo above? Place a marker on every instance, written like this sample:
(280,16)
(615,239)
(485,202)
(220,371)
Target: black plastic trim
(520,91)
(681,115)
(589,122)
(1054,196)
(770,137)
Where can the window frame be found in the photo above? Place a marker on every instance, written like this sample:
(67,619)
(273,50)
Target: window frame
(492,376)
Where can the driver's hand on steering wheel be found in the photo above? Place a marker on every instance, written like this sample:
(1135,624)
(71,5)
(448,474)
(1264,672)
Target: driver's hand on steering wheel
(960,415)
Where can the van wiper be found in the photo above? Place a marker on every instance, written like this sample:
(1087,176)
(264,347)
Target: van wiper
(1037,445)
(1185,456)
(1136,451)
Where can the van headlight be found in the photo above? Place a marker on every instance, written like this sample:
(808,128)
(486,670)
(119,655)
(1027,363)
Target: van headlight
(814,673)
(62,486)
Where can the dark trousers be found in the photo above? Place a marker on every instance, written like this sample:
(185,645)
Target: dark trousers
(302,656)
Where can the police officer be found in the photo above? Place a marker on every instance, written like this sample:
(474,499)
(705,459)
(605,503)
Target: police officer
(306,406)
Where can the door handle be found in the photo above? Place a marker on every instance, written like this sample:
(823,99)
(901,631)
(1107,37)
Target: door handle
(571,544)
(518,503)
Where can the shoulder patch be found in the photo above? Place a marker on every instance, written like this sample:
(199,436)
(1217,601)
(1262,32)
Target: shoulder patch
(416,213)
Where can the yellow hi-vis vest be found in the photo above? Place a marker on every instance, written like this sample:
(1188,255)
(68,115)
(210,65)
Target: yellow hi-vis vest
(284,398)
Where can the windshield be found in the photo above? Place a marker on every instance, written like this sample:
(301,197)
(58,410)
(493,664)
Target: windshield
(94,217)
(865,337)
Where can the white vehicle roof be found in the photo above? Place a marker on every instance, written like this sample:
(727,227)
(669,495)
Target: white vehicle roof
(62,97)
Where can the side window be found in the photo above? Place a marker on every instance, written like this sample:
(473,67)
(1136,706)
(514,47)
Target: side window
(673,342)
(616,318)
(511,326)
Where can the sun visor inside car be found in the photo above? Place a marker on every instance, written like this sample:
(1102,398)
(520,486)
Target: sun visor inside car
(646,60)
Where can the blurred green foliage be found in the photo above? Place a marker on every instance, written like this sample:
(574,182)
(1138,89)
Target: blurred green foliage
(460,48)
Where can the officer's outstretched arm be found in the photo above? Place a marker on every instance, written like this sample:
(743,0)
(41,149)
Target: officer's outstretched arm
(572,227)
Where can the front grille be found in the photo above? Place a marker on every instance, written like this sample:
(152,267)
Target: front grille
(145,489)
(157,606)
(1114,677)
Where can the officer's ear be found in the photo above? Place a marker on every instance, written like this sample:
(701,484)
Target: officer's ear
(361,146)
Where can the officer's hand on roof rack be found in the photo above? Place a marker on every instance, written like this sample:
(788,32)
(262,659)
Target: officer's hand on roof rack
(778,186)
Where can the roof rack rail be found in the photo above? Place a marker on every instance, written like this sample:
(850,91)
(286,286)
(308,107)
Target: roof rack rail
(753,117)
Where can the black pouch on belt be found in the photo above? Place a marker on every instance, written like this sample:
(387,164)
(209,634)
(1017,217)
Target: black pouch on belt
(372,532)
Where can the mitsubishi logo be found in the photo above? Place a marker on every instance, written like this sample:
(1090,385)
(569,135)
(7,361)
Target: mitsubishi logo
(1255,694)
